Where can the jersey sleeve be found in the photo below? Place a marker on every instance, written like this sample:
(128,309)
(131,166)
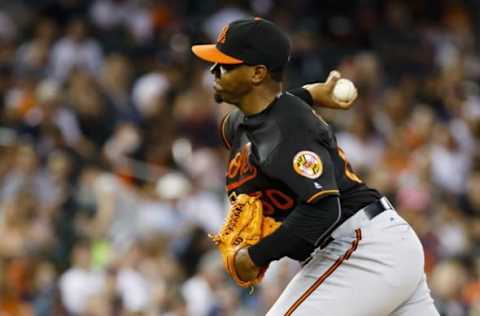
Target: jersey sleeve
(303,94)
(305,167)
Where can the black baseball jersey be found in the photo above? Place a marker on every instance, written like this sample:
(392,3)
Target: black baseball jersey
(288,155)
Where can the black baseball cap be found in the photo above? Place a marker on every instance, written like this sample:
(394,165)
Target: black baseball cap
(253,41)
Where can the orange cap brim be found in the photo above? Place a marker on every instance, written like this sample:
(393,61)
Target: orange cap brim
(211,53)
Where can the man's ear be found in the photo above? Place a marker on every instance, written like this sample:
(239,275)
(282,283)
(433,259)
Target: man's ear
(260,72)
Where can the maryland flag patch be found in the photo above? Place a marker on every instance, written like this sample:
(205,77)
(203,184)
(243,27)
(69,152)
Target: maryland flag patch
(308,164)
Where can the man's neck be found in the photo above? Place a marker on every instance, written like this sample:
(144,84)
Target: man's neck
(259,99)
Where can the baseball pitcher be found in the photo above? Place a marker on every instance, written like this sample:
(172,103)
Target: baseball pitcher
(294,193)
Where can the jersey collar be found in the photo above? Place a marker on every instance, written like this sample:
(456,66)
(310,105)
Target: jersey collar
(254,120)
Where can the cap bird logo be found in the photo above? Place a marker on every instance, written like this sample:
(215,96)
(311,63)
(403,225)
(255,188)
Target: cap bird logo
(222,36)
(308,164)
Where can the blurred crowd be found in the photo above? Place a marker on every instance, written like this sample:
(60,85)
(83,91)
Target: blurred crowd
(111,169)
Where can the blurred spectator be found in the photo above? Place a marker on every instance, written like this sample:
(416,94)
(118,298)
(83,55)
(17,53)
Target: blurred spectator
(360,143)
(447,280)
(471,200)
(75,50)
(393,42)
(20,99)
(132,285)
(451,232)
(195,111)
(223,16)
(45,302)
(200,291)
(33,56)
(449,158)
(149,93)
(115,80)
(114,219)
(92,112)
(160,213)
(197,207)
(80,283)
(110,15)
(8,29)
(51,113)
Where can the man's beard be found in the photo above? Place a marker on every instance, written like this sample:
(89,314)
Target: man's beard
(218,98)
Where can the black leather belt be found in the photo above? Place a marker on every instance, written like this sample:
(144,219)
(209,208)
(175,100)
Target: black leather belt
(377,207)
(371,210)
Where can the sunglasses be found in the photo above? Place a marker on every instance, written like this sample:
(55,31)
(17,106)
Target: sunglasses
(218,68)
(229,67)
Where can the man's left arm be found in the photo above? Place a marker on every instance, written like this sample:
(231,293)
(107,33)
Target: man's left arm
(317,212)
(300,233)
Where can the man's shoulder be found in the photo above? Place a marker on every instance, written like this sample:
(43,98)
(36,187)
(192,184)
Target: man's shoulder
(288,99)
(292,111)
(298,120)
(290,124)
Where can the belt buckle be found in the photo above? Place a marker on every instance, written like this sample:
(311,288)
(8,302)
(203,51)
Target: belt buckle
(386,203)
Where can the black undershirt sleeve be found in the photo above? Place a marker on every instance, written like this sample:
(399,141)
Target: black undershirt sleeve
(300,233)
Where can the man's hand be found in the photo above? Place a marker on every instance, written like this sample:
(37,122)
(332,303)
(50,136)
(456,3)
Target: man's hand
(322,93)
(246,269)
(244,226)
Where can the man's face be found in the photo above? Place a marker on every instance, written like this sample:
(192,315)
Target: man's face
(232,82)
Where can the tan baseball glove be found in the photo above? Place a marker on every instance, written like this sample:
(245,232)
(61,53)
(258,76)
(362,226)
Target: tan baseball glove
(244,226)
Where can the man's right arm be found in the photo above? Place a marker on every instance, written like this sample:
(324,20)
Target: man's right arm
(317,94)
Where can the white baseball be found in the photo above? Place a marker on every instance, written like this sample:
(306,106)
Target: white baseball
(344,90)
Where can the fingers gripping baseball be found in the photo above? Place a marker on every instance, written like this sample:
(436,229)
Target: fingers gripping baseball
(336,92)
(332,79)
(341,90)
